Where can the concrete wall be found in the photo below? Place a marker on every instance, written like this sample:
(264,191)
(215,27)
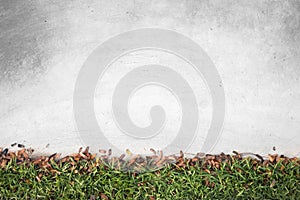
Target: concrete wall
(253,44)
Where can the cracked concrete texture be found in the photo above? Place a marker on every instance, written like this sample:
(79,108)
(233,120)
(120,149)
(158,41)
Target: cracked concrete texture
(254,45)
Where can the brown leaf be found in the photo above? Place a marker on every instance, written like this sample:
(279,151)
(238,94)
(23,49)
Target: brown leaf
(38,179)
(153,151)
(3,163)
(152,198)
(83,155)
(159,157)
(86,151)
(51,157)
(181,155)
(133,160)
(93,156)
(271,158)
(92,197)
(273,183)
(102,151)
(128,152)
(103,196)
(181,164)
(122,157)
(161,161)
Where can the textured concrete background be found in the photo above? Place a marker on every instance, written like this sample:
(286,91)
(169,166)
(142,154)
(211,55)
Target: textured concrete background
(253,44)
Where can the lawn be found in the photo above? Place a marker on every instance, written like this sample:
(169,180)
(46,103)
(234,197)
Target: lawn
(86,176)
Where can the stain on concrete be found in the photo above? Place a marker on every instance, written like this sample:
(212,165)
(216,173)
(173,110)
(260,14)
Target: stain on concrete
(22,31)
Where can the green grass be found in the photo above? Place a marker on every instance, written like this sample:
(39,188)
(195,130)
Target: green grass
(240,179)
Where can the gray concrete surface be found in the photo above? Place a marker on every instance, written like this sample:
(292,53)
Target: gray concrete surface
(253,44)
